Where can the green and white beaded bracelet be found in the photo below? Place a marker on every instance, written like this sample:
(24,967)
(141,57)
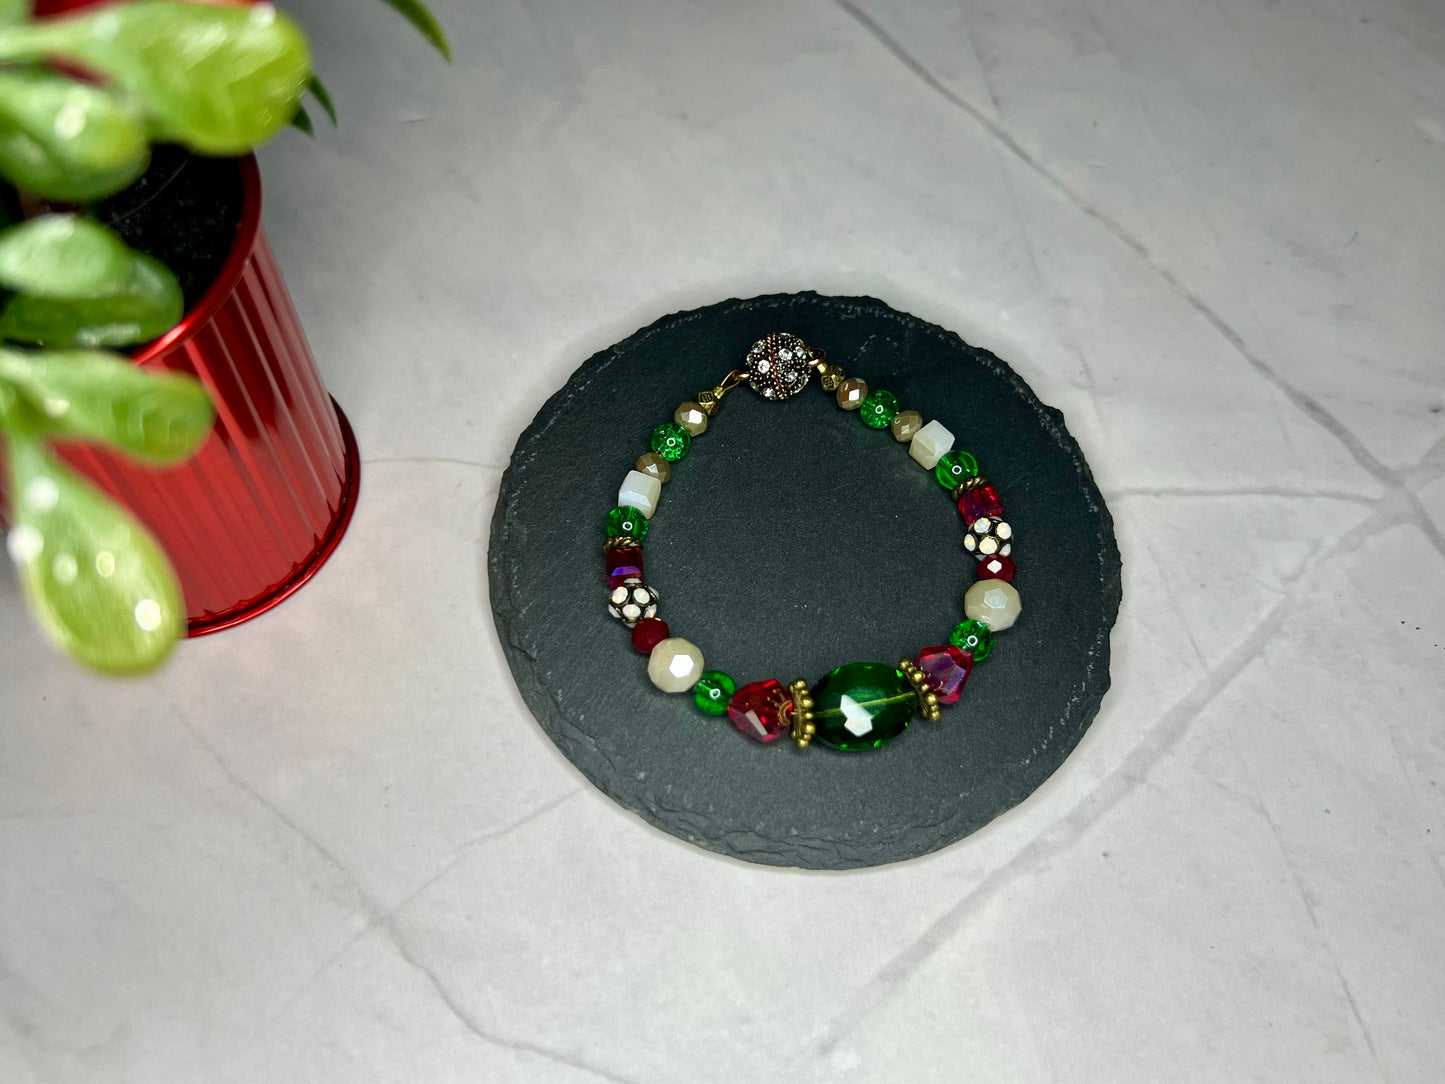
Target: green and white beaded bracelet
(861,705)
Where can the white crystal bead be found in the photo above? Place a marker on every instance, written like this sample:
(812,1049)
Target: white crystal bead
(641,491)
(930,444)
(674,665)
(994,602)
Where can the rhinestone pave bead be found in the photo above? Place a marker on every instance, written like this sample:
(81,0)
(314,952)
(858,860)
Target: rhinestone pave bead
(986,537)
(757,710)
(778,366)
(632,602)
(947,668)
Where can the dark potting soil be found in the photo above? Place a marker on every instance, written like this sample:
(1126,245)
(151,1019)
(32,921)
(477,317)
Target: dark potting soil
(183,211)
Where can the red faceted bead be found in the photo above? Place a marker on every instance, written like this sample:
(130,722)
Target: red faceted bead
(980,501)
(946,668)
(997,567)
(624,565)
(757,710)
(648,633)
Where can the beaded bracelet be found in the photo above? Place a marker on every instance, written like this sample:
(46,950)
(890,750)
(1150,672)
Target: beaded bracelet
(861,705)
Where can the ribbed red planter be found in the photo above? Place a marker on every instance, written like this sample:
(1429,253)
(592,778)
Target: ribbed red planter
(257,511)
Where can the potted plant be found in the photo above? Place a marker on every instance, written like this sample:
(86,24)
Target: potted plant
(214,441)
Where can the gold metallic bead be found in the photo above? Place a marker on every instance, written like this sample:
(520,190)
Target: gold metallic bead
(830,376)
(622,541)
(802,728)
(691,417)
(654,466)
(851,393)
(707,402)
(928,705)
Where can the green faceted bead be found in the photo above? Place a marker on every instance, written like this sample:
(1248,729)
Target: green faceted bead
(862,705)
(712,692)
(974,637)
(671,440)
(954,469)
(879,408)
(626,520)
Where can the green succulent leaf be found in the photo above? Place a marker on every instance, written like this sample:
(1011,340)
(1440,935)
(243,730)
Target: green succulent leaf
(97,396)
(13,11)
(95,579)
(96,308)
(323,98)
(63,256)
(219,78)
(416,13)
(65,140)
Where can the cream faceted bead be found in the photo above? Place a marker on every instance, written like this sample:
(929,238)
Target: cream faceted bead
(691,417)
(905,425)
(994,602)
(641,491)
(674,665)
(930,444)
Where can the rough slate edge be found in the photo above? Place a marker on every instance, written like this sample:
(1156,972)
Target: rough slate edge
(583,749)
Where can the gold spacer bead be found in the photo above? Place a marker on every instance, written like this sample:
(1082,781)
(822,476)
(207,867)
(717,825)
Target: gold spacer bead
(830,376)
(708,401)
(622,541)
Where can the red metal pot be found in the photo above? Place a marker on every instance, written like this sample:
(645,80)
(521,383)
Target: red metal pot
(260,507)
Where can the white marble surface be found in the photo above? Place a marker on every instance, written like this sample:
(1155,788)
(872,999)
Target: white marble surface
(333,846)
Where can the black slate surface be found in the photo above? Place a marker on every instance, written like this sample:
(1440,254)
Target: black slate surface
(791,540)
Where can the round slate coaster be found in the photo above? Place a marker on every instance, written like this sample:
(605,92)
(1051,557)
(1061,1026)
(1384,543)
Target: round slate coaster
(791,540)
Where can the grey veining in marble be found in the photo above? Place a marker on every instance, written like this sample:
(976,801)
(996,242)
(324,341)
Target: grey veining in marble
(332,845)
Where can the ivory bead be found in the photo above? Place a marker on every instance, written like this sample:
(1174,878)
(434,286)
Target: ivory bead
(675,665)
(640,491)
(653,465)
(905,424)
(691,417)
(995,603)
(851,393)
(930,444)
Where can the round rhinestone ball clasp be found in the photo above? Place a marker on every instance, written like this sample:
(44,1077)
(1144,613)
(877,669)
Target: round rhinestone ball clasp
(778,365)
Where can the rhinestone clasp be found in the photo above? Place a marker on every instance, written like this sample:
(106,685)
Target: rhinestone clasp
(779,365)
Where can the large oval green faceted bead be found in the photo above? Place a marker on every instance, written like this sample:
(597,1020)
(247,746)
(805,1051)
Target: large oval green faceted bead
(862,705)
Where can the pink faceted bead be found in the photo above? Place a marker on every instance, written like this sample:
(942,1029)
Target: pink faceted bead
(946,668)
(624,565)
(980,501)
(757,710)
